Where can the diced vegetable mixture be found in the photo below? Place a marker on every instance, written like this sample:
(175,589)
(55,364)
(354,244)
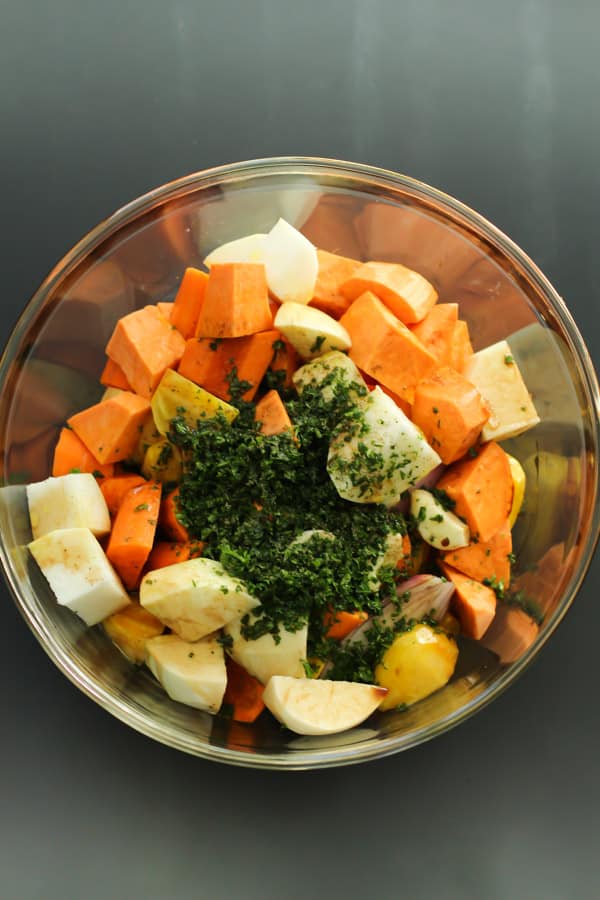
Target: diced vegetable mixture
(291,495)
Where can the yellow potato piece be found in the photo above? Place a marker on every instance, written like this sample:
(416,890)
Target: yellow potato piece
(163,462)
(130,628)
(519,481)
(178,396)
(419,662)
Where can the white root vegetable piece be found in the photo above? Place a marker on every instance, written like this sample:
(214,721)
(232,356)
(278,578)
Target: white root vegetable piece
(497,377)
(393,553)
(305,536)
(195,597)
(69,501)
(248,249)
(291,264)
(191,673)
(383,459)
(437,526)
(308,706)
(80,575)
(310,331)
(316,371)
(263,657)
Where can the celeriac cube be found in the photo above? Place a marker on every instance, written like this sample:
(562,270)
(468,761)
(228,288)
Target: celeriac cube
(69,501)
(80,575)
(264,657)
(191,673)
(496,375)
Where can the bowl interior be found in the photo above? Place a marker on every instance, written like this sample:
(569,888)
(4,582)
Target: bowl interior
(55,356)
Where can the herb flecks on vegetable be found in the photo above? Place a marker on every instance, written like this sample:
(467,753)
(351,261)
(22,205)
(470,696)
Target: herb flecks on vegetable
(249,496)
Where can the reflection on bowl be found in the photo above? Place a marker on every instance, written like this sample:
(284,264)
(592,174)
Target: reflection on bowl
(53,360)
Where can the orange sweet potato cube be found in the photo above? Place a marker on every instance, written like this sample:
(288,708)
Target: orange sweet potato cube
(189,301)
(236,301)
(482,489)
(111,430)
(144,345)
(436,331)
(485,559)
(272,414)
(460,349)
(406,293)
(473,603)
(334,271)
(450,412)
(209,363)
(385,348)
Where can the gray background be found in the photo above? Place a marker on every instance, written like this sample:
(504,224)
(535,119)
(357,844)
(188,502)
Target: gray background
(497,104)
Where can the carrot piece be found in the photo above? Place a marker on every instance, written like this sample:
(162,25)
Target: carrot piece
(473,603)
(482,489)
(485,559)
(166,310)
(405,563)
(406,293)
(342,623)
(115,489)
(436,331)
(133,532)
(450,412)
(168,553)
(114,376)
(285,361)
(461,350)
(111,429)
(385,348)
(511,634)
(210,363)
(236,301)
(71,454)
(168,521)
(144,344)
(188,301)
(272,414)
(243,692)
(334,270)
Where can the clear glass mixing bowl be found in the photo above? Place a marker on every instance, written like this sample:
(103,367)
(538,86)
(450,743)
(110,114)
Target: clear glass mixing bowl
(55,354)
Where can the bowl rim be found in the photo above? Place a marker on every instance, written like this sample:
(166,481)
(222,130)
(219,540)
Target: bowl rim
(304,165)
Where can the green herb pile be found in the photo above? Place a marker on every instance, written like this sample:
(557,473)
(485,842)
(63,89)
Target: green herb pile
(249,496)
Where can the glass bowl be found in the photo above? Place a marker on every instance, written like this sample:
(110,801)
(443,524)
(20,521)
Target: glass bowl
(52,361)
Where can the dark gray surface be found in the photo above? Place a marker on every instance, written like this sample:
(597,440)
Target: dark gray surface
(496,103)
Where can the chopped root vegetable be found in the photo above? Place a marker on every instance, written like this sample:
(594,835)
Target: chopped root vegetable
(115,489)
(191,673)
(473,603)
(249,249)
(406,293)
(167,553)
(340,623)
(114,376)
(133,532)
(461,350)
(309,706)
(71,455)
(272,414)
(291,264)
(110,430)
(485,559)
(384,348)
(168,521)
(481,488)
(310,331)
(244,693)
(334,270)
(130,628)
(236,302)
(210,363)
(144,344)
(436,331)
(419,662)
(450,412)
(70,501)
(189,301)
(178,396)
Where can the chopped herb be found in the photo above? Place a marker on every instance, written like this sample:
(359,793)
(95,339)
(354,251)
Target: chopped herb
(215,344)
(319,341)
(435,410)
(75,471)
(141,507)
(508,360)
(472,452)
(443,499)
